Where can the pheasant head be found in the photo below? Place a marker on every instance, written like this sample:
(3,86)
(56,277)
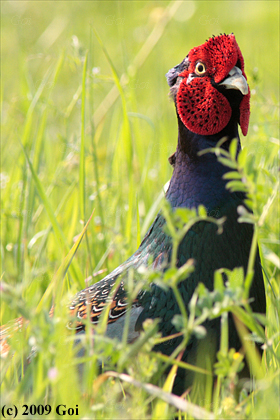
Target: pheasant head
(210,85)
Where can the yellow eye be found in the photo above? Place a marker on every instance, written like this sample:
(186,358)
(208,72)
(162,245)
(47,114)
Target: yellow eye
(200,68)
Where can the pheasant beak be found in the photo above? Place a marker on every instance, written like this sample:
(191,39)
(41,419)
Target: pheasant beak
(236,80)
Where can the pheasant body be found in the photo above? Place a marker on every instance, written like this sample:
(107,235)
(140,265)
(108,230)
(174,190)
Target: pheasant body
(211,97)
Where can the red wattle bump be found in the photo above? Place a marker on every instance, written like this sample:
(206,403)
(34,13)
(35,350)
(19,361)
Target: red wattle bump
(202,109)
(244,113)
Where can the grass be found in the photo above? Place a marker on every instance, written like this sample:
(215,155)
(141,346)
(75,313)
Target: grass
(87,127)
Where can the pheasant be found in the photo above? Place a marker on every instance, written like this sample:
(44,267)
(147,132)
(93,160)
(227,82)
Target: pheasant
(211,95)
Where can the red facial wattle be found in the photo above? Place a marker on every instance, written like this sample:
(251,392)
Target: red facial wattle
(201,107)
(244,109)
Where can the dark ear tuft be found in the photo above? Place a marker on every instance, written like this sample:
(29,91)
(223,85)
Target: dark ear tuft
(173,73)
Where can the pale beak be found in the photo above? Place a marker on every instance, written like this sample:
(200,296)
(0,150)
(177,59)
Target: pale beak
(236,80)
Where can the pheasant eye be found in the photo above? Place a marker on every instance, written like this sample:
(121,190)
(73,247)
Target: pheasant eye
(200,68)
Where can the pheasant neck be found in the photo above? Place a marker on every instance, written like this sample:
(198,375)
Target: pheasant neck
(199,179)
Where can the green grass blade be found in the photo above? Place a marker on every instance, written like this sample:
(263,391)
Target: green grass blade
(126,134)
(74,269)
(82,180)
(62,270)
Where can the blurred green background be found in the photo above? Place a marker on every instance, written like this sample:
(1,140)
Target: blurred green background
(43,50)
